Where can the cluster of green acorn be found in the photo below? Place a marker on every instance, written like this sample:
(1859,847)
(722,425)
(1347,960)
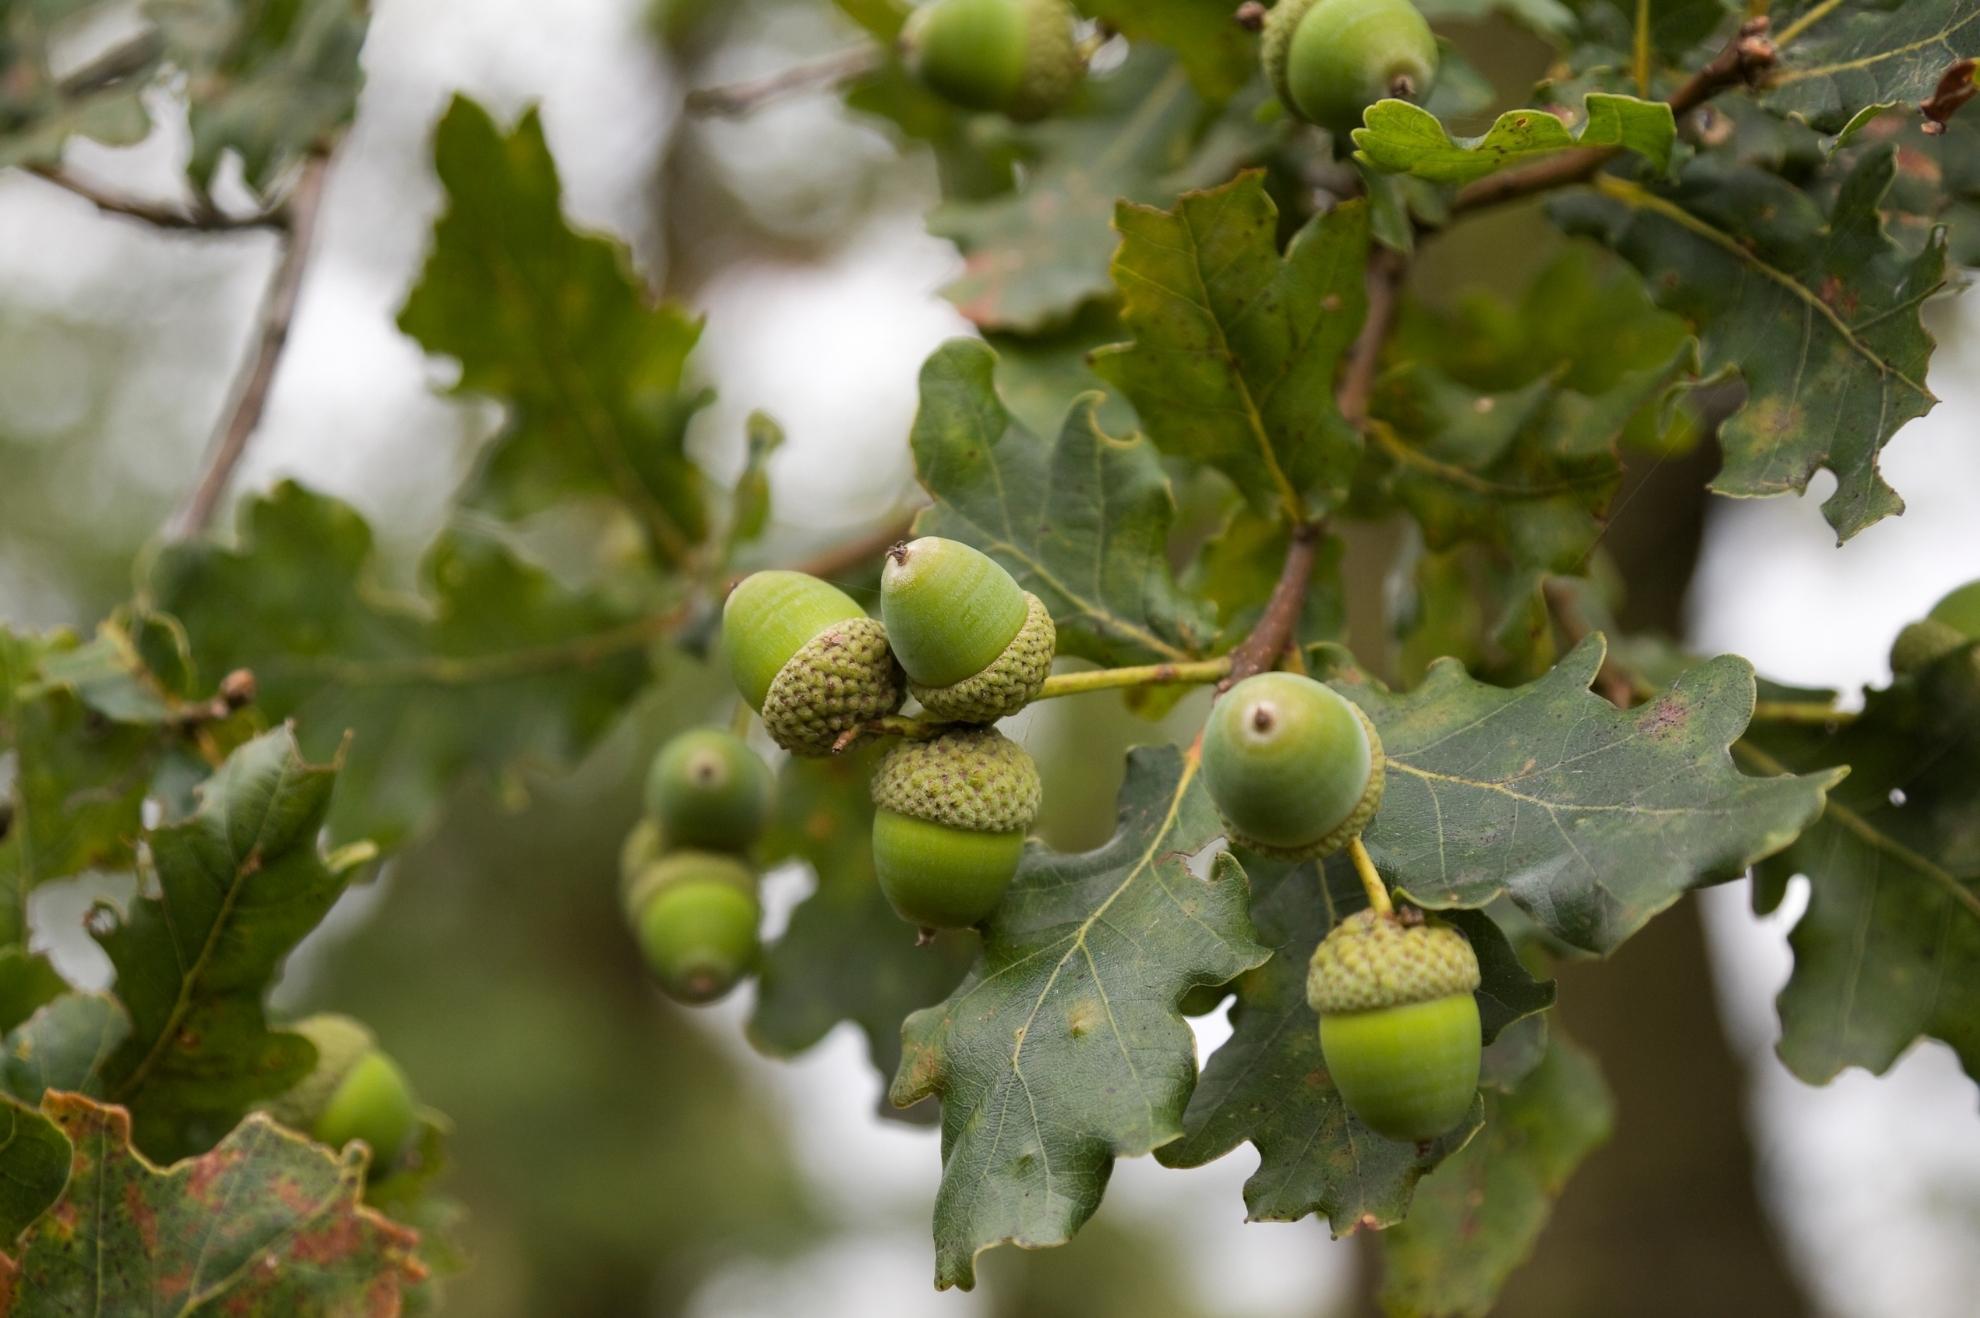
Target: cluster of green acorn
(1297,772)
(958,632)
(1328,60)
(354,1092)
(689,890)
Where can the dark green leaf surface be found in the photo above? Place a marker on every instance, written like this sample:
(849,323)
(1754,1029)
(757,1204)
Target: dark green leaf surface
(1269,1085)
(265,1223)
(268,82)
(1401,138)
(82,720)
(1082,523)
(845,956)
(1591,818)
(1818,314)
(552,322)
(496,666)
(34,1166)
(1032,257)
(1865,52)
(64,1045)
(238,885)
(41,108)
(1889,948)
(1064,1048)
(1235,350)
(1477,1217)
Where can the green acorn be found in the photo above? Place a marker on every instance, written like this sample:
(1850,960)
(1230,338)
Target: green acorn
(1398,1022)
(1018,57)
(1922,644)
(949,826)
(1295,769)
(1329,60)
(695,914)
(975,645)
(354,1092)
(1961,611)
(808,659)
(708,790)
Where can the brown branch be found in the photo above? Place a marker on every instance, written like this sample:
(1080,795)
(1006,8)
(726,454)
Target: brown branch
(195,216)
(1260,651)
(862,551)
(741,98)
(277,313)
(1743,61)
(1386,269)
(1613,682)
(237,691)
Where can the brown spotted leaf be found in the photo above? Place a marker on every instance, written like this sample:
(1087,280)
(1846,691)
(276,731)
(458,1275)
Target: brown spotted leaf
(1591,818)
(266,1223)
(237,886)
(1818,314)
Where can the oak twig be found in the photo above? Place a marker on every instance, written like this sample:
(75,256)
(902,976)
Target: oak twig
(195,216)
(741,98)
(1194,673)
(1260,651)
(1745,58)
(278,311)
(1612,682)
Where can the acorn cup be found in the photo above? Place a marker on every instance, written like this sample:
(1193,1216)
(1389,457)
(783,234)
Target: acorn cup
(949,824)
(695,914)
(354,1092)
(1295,769)
(976,647)
(1329,60)
(1399,1025)
(808,659)
(1018,57)
(707,790)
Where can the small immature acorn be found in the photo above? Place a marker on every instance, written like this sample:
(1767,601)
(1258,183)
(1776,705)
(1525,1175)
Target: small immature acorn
(1922,644)
(1399,1025)
(355,1092)
(1329,60)
(949,825)
(695,914)
(1295,769)
(808,659)
(975,645)
(1018,57)
(1960,610)
(708,790)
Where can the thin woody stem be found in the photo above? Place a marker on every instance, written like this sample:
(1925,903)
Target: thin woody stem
(1371,879)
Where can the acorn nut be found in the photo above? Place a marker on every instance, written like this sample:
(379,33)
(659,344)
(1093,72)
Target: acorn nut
(1017,57)
(354,1092)
(1399,1025)
(1295,769)
(1329,60)
(695,914)
(949,824)
(808,659)
(708,790)
(976,647)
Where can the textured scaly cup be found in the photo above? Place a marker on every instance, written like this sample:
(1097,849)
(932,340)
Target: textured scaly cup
(949,824)
(975,646)
(1399,1023)
(807,658)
